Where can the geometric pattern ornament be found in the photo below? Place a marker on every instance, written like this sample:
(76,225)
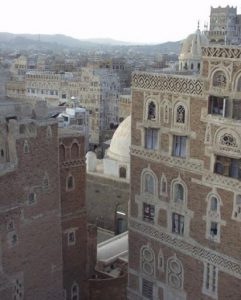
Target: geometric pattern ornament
(221,261)
(221,52)
(167,83)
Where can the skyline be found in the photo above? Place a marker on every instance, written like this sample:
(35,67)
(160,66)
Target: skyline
(128,21)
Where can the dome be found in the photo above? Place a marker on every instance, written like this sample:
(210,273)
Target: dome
(120,143)
(192,45)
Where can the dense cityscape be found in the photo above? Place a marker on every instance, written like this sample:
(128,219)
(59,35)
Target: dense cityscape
(120,166)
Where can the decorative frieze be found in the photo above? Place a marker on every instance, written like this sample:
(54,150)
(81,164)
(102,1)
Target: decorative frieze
(212,179)
(167,83)
(187,164)
(191,248)
(73,163)
(222,52)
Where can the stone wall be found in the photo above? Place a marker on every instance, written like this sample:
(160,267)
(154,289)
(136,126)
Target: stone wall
(104,197)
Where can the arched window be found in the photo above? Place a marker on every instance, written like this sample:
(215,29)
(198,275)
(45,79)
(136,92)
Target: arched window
(75,291)
(61,153)
(151,111)
(75,151)
(214,204)
(213,218)
(219,79)
(122,172)
(149,183)
(180,114)
(178,193)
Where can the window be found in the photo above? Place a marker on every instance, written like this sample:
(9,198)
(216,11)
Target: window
(210,280)
(177,223)
(178,193)
(149,184)
(148,212)
(237,208)
(70,182)
(151,111)
(71,238)
(122,172)
(179,146)
(180,114)
(151,138)
(32,198)
(217,105)
(213,229)
(214,204)
(75,291)
(227,166)
(213,218)
(219,79)
(147,289)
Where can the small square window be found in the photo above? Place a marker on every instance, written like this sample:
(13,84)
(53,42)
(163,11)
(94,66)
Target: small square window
(151,138)
(179,146)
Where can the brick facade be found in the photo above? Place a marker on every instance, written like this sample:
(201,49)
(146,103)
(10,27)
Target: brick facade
(184,208)
(44,236)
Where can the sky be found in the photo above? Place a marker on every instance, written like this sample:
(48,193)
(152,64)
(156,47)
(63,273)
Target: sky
(140,21)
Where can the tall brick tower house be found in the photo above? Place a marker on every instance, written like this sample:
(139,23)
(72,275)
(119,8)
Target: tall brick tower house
(44,235)
(185,206)
(30,220)
(74,224)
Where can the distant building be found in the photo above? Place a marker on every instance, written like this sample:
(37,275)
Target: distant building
(124,107)
(97,90)
(191,52)
(225,26)
(76,118)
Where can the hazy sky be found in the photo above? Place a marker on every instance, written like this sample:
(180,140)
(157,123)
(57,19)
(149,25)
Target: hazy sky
(151,21)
